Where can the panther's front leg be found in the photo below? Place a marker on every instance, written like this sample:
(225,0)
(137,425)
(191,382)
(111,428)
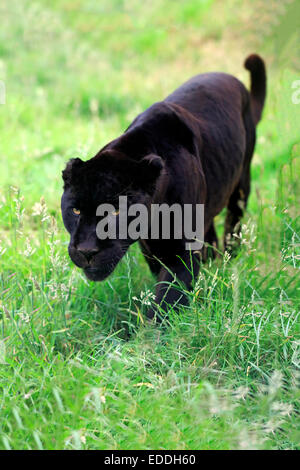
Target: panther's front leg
(169,292)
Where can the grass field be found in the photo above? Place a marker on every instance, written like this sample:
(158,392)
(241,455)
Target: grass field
(79,366)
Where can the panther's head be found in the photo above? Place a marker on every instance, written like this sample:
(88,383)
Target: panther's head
(87,185)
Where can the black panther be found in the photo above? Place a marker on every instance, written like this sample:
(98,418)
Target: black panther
(194,147)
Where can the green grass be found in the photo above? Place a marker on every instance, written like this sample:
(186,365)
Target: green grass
(79,366)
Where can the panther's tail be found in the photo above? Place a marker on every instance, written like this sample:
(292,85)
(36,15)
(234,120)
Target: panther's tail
(257,69)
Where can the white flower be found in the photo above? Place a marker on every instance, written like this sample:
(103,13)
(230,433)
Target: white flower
(284,409)
(241,392)
(24,316)
(145,297)
(275,382)
(29,249)
(40,208)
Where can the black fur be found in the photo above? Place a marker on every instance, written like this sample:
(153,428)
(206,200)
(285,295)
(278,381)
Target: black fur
(193,147)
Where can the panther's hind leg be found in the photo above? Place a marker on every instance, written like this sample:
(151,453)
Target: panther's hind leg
(235,211)
(211,244)
(238,199)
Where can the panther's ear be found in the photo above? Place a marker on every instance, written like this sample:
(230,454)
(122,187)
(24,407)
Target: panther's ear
(67,172)
(150,168)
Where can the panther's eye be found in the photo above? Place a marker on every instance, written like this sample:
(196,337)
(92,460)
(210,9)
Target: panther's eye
(76,211)
(115,213)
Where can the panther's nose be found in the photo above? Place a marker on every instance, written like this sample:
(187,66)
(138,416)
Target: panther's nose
(88,253)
